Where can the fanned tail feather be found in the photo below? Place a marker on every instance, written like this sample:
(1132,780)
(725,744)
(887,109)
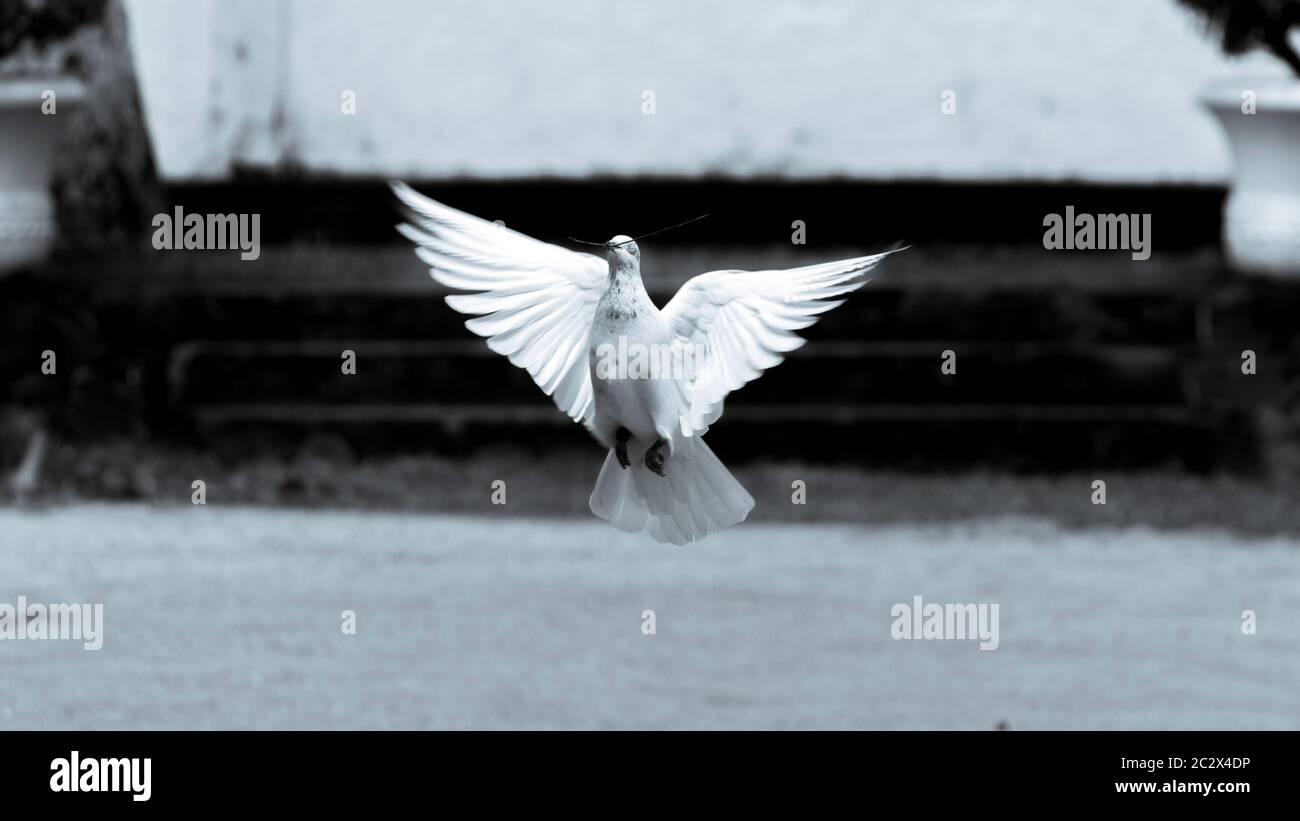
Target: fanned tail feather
(699,495)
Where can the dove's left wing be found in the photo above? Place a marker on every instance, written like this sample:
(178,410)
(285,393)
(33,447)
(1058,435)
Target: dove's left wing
(745,323)
(533,301)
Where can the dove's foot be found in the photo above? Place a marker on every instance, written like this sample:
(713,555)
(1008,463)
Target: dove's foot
(654,459)
(620,447)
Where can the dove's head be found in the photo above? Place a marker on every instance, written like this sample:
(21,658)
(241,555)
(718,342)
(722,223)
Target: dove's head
(623,254)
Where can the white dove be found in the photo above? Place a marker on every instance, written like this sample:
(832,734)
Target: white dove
(558,314)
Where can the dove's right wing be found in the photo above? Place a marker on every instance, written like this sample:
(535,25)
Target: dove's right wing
(746,321)
(534,302)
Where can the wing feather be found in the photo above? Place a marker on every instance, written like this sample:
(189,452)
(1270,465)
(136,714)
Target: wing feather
(745,322)
(532,301)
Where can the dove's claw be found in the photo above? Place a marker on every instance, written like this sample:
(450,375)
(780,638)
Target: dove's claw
(620,447)
(654,459)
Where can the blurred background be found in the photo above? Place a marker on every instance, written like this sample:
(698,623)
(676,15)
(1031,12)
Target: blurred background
(956,127)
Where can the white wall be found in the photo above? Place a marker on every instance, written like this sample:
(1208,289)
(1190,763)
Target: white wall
(1098,90)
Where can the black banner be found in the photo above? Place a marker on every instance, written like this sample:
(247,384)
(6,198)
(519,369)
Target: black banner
(66,771)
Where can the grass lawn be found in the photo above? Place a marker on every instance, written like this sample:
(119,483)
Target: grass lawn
(229,617)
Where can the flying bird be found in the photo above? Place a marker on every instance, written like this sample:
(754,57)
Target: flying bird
(563,315)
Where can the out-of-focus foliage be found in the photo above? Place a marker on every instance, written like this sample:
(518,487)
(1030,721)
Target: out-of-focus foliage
(31,31)
(105,184)
(1244,25)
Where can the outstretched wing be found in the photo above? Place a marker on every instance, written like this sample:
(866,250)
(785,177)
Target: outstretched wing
(744,322)
(533,301)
